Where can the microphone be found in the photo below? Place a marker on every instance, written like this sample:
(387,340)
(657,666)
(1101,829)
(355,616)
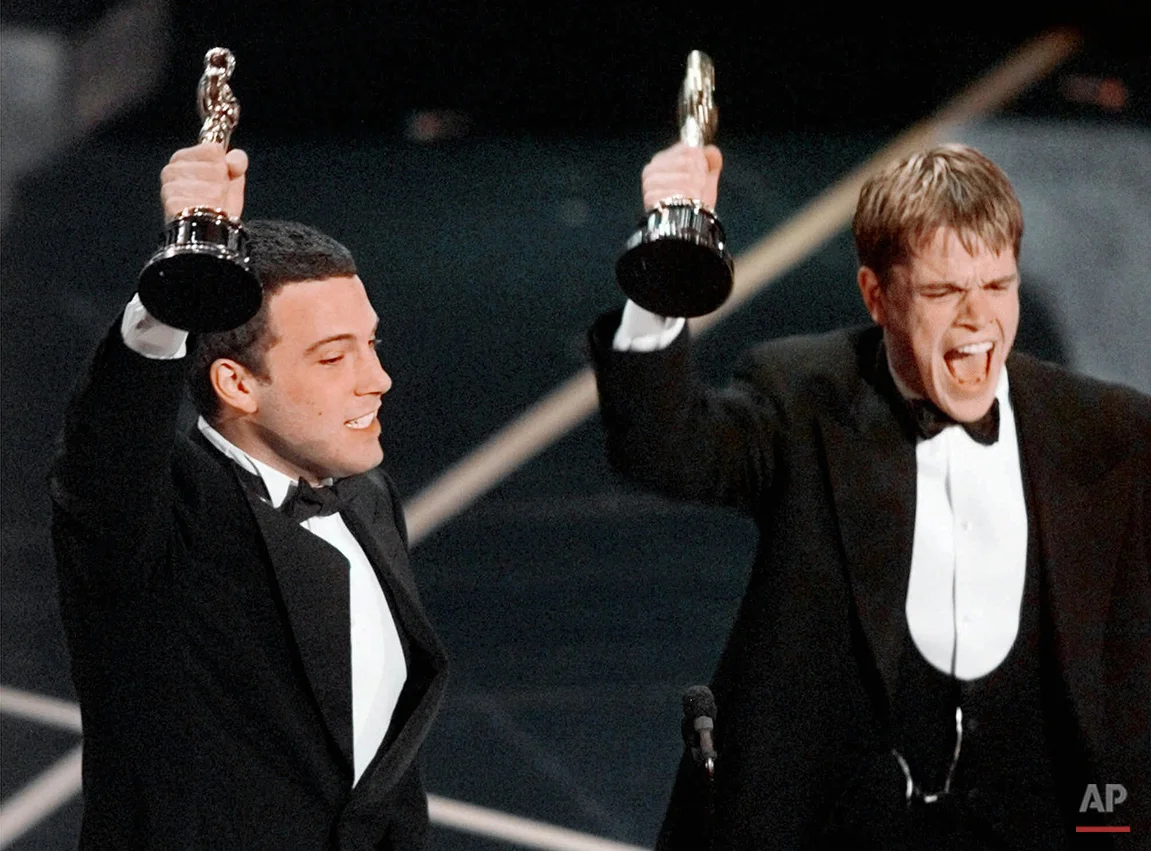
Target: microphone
(698,724)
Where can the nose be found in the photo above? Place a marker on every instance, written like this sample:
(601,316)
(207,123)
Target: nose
(374,379)
(975,311)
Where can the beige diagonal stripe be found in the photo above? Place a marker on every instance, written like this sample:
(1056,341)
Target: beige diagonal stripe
(51,790)
(515,830)
(40,709)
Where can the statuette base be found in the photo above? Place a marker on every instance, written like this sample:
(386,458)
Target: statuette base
(677,262)
(199,279)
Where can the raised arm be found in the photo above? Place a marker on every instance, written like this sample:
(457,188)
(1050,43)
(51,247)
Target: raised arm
(665,429)
(111,482)
(668,431)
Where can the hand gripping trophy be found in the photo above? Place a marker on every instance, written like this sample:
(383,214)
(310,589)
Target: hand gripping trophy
(677,262)
(199,278)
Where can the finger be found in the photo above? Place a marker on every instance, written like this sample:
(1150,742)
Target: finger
(194,170)
(682,156)
(204,152)
(686,173)
(676,183)
(177,198)
(179,193)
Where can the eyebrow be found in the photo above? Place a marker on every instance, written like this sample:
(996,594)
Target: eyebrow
(335,338)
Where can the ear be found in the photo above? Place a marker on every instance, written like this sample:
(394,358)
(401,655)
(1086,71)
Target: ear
(872,293)
(234,386)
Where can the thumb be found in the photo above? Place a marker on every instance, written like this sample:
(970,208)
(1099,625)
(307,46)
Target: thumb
(714,159)
(711,181)
(235,202)
(237,161)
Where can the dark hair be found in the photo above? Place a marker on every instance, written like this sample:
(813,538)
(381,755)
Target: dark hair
(953,186)
(281,253)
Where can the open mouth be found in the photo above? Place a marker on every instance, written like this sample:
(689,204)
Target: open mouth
(361,422)
(970,364)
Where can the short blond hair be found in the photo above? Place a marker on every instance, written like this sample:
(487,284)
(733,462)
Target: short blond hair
(953,186)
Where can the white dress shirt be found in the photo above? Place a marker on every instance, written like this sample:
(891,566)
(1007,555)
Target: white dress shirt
(969,556)
(378,667)
(969,553)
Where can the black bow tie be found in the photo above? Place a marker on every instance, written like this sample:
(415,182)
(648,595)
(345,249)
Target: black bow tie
(305,502)
(930,421)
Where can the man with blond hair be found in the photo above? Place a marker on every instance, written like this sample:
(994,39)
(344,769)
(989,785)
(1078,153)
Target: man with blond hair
(944,642)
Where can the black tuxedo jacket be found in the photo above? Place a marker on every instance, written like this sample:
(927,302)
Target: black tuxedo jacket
(210,640)
(809,442)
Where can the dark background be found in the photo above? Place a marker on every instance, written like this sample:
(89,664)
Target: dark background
(355,68)
(575,608)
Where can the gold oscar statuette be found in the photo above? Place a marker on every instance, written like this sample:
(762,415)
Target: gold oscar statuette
(199,279)
(677,263)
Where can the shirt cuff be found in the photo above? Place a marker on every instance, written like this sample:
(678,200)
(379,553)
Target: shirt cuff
(148,336)
(640,330)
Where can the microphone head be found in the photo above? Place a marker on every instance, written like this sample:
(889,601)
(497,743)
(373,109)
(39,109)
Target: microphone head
(698,701)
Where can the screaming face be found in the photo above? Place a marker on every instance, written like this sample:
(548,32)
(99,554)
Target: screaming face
(949,318)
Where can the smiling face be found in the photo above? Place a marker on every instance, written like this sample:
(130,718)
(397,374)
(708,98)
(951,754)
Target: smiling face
(949,317)
(313,411)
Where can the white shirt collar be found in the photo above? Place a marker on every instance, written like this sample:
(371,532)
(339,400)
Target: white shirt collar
(277,483)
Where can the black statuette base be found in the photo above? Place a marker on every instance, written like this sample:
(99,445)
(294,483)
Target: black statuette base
(677,262)
(199,280)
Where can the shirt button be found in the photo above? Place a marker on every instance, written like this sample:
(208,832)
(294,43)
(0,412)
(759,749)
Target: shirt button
(966,525)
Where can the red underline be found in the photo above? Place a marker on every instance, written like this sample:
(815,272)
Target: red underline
(1083,829)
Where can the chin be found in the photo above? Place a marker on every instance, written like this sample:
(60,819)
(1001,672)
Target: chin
(345,467)
(966,407)
(362,465)
(969,411)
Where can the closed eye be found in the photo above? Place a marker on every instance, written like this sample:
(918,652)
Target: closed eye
(940,291)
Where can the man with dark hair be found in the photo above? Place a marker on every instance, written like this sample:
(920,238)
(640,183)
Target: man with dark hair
(944,642)
(285,252)
(254,666)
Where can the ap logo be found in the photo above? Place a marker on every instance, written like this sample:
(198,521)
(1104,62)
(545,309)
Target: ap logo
(1114,794)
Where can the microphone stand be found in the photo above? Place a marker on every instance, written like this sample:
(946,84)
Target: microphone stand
(699,712)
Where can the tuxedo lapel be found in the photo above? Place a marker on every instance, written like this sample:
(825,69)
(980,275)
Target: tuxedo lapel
(1080,530)
(312,577)
(386,551)
(872,468)
(373,524)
